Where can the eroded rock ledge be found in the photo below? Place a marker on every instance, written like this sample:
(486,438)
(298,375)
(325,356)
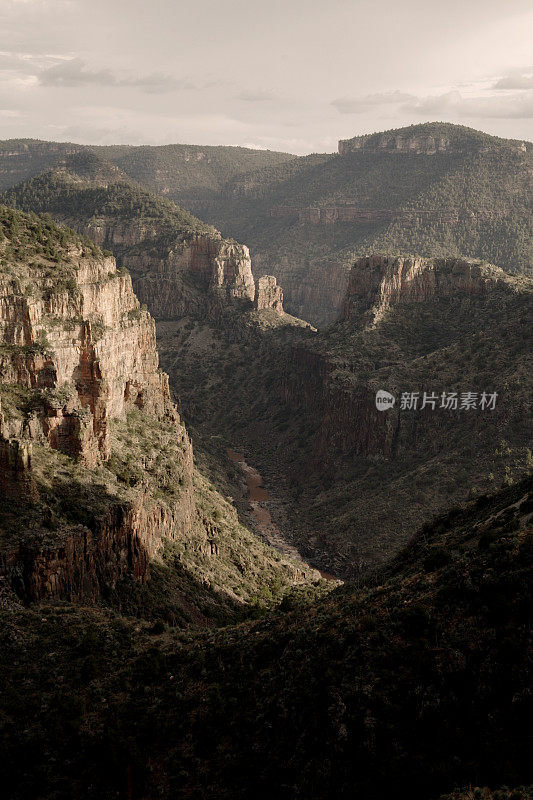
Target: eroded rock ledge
(77,355)
(376,282)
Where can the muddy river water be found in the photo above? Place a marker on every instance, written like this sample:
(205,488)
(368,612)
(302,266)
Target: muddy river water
(258,498)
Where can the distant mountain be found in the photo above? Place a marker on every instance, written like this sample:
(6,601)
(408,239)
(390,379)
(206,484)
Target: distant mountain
(21,159)
(190,175)
(186,174)
(83,187)
(179,265)
(434,189)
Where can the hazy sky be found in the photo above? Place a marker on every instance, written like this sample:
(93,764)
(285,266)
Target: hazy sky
(292,75)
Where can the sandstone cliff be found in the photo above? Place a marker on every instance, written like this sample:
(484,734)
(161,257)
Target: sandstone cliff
(422,326)
(362,476)
(178,264)
(268,294)
(88,338)
(96,469)
(77,356)
(428,139)
(377,282)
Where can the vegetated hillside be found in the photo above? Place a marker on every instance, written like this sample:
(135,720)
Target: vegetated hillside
(100,500)
(176,261)
(190,175)
(21,159)
(187,174)
(436,189)
(85,187)
(394,193)
(412,685)
(301,405)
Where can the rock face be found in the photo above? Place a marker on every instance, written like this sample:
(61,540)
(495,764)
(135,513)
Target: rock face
(427,145)
(170,281)
(377,282)
(90,560)
(78,354)
(162,271)
(421,143)
(90,340)
(268,294)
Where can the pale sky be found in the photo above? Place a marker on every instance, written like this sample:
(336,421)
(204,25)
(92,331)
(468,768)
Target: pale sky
(293,75)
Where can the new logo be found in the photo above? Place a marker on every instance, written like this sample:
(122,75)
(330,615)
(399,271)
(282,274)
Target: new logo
(384,400)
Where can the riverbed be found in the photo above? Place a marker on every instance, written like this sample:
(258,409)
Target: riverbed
(258,499)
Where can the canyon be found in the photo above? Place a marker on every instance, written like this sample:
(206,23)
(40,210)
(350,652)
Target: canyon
(243,368)
(173,543)
(178,264)
(435,189)
(95,460)
(301,404)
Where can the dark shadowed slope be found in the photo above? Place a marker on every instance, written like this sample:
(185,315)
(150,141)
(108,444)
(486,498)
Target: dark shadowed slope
(407,687)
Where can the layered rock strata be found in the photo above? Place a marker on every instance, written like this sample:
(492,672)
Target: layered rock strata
(79,354)
(268,294)
(377,282)
(91,340)
(415,144)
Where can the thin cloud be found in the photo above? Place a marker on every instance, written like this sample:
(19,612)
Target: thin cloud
(258,96)
(522,80)
(75,73)
(358,105)
(516,106)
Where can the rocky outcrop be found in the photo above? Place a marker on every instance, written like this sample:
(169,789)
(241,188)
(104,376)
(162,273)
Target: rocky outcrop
(91,559)
(421,143)
(349,422)
(78,354)
(268,294)
(90,345)
(396,143)
(318,286)
(168,269)
(377,282)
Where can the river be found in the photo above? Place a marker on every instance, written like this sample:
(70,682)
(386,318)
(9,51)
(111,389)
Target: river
(258,497)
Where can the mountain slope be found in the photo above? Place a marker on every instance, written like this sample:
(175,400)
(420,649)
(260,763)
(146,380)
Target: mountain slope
(184,173)
(172,256)
(395,193)
(301,404)
(189,174)
(409,686)
(100,498)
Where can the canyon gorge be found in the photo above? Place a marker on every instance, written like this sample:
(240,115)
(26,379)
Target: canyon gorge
(226,572)
(85,405)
